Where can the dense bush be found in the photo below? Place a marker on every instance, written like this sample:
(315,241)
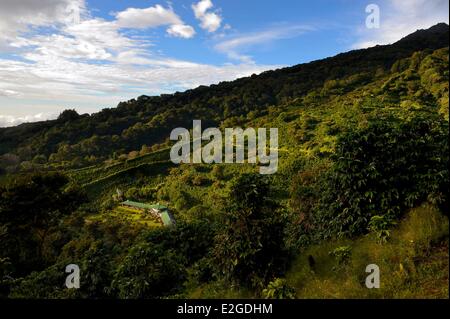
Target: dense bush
(31,209)
(383,168)
(157,266)
(149,271)
(250,247)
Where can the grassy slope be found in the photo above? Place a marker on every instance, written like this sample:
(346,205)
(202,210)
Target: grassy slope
(127,215)
(413,264)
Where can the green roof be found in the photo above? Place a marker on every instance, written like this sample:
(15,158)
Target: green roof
(159,207)
(166,219)
(144,206)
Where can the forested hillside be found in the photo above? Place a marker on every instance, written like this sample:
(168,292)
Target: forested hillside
(79,140)
(362,179)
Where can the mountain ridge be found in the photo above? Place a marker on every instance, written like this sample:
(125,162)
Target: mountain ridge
(441,31)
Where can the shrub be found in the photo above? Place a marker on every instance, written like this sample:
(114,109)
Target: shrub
(218,172)
(279,289)
(149,271)
(381,225)
(250,248)
(384,168)
(342,254)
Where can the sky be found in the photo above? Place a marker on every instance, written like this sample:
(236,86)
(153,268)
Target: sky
(91,54)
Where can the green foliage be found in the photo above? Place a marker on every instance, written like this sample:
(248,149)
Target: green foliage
(414,262)
(249,249)
(304,194)
(149,271)
(218,172)
(386,167)
(200,181)
(68,115)
(157,266)
(6,280)
(342,254)
(31,208)
(381,226)
(47,284)
(422,228)
(279,289)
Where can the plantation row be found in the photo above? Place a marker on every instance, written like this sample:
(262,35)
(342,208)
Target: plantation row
(93,173)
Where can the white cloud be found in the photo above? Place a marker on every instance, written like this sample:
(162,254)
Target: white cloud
(201,7)
(234,46)
(98,39)
(181,30)
(147,18)
(9,93)
(6,121)
(57,45)
(71,84)
(154,17)
(99,33)
(19,15)
(210,21)
(400,18)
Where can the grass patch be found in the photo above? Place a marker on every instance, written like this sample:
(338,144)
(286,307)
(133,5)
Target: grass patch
(128,215)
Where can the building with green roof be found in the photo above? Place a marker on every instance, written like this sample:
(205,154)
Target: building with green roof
(167,218)
(159,211)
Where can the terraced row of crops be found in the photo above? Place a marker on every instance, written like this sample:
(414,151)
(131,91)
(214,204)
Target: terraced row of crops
(126,177)
(98,179)
(90,174)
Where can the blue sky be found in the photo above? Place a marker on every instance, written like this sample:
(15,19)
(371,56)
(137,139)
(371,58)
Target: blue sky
(92,54)
(255,16)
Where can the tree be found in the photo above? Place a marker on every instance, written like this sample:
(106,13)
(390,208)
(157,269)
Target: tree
(250,249)
(68,115)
